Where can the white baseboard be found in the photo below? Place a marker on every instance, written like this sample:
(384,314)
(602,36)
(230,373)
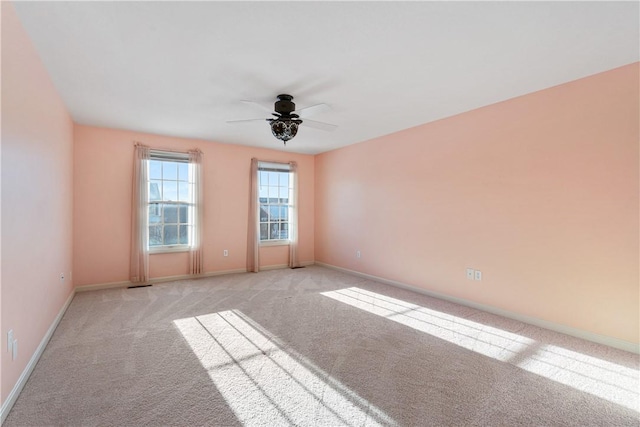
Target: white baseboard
(568,330)
(280,266)
(15,392)
(127,283)
(98,286)
(273,267)
(188,276)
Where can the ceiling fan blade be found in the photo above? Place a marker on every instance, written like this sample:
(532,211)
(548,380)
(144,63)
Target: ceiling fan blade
(247,120)
(313,109)
(258,105)
(319,125)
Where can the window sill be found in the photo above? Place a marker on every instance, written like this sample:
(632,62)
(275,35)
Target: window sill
(169,249)
(274,243)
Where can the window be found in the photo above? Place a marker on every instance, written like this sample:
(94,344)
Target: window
(170,203)
(275,197)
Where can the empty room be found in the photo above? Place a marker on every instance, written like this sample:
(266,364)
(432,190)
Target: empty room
(320,213)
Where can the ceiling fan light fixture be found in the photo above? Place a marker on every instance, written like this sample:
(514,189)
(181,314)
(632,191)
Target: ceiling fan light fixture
(284,124)
(284,128)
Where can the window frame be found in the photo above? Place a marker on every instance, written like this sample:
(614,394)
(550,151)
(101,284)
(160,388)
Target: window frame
(176,157)
(280,168)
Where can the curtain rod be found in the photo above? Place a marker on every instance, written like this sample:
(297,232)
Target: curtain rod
(171,150)
(275,161)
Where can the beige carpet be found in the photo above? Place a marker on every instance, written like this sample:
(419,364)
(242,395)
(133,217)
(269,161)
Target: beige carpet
(314,347)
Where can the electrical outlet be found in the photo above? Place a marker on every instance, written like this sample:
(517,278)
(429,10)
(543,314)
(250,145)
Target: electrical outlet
(225,253)
(357,254)
(470,273)
(14,353)
(478,275)
(10,341)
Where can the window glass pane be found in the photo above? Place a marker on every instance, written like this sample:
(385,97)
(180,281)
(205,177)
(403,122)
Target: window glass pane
(264,216)
(274,213)
(170,234)
(273,179)
(184,214)
(263,231)
(273,230)
(170,214)
(183,191)
(284,213)
(284,230)
(263,193)
(183,171)
(170,191)
(155,191)
(155,213)
(273,194)
(284,179)
(264,180)
(170,170)
(283,193)
(184,235)
(155,235)
(155,169)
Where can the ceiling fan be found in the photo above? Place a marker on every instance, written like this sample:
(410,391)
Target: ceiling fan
(287,119)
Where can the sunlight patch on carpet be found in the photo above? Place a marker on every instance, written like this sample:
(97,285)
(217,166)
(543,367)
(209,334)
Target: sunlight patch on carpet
(607,380)
(264,384)
(615,383)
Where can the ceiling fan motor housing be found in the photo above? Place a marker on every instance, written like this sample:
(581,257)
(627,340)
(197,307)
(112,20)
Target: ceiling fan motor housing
(284,105)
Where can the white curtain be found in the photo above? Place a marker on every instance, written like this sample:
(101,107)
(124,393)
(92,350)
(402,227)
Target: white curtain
(253,232)
(293,217)
(139,270)
(196,257)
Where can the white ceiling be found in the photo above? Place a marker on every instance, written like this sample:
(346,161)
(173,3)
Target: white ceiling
(181,68)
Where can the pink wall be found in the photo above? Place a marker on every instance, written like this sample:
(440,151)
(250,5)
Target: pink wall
(540,193)
(102,205)
(37,168)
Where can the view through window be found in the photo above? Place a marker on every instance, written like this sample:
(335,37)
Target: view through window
(170,200)
(275,189)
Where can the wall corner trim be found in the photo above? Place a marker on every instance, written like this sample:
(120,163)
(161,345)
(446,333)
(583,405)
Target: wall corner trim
(556,327)
(22,380)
